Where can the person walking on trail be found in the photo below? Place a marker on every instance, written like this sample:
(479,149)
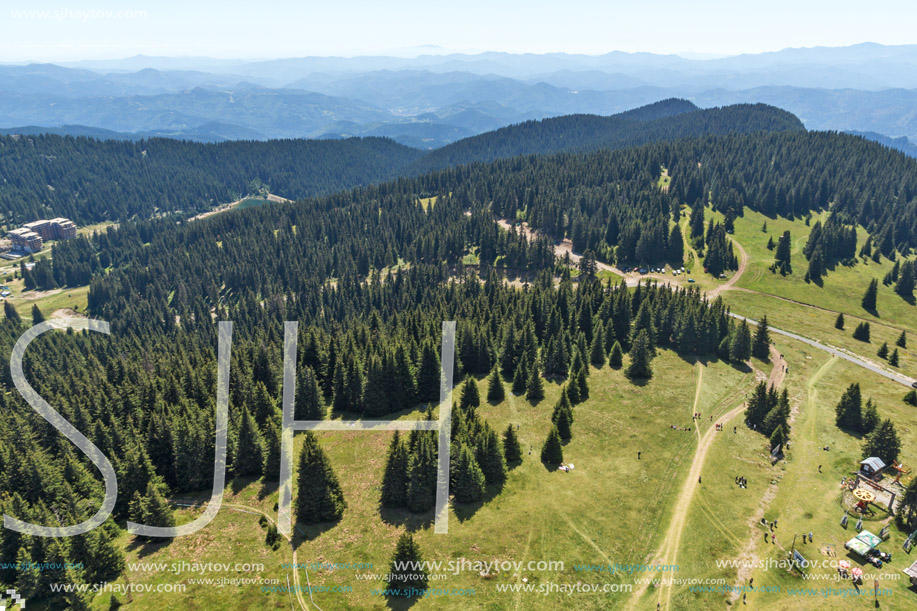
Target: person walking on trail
(765,536)
(819,468)
(698,479)
(638,455)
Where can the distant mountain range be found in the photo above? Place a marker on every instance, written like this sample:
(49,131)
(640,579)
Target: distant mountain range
(432,100)
(91,179)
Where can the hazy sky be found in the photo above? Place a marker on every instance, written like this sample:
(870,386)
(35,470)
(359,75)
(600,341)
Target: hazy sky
(67,30)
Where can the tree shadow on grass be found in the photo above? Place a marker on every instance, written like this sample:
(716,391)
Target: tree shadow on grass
(238,484)
(411,521)
(400,603)
(267,489)
(145,547)
(465,511)
(309,532)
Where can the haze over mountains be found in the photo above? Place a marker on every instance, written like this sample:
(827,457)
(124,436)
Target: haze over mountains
(432,100)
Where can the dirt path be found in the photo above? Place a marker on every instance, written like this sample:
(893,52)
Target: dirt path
(743,265)
(561,249)
(668,553)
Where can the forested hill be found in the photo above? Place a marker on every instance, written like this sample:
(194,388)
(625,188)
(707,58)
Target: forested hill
(666,120)
(90,180)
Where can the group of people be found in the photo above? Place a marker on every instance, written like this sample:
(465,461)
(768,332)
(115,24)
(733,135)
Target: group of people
(719,427)
(740,480)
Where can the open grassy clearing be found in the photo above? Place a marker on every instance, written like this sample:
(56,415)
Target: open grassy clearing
(843,288)
(611,508)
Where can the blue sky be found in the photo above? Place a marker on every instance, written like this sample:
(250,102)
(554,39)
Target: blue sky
(282,28)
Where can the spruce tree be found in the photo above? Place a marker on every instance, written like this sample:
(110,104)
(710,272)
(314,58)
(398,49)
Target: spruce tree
(422,475)
(616,357)
(520,380)
(428,375)
(902,340)
(862,332)
(597,351)
(405,574)
(272,448)
(911,398)
(489,454)
(11,314)
(318,496)
(495,391)
(582,384)
(512,451)
(395,479)
(469,479)
(869,298)
(28,580)
(249,458)
(839,321)
(740,343)
(849,410)
(883,351)
(893,359)
(779,436)
(37,316)
(470,397)
(762,342)
(552,452)
(883,443)
(309,403)
(534,388)
(782,254)
(870,418)
(563,420)
(640,357)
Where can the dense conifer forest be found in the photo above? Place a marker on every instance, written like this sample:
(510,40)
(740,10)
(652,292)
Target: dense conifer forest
(370,274)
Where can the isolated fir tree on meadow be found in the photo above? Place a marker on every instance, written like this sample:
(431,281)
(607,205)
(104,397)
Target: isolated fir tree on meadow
(495,391)
(761,344)
(309,404)
(839,321)
(319,497)
(490,457)
(552,452)
(883,443)
(901,342)
(894,358)
(469,479)
(911,397)
(782,255)
(640,357)
(405,574)
(862,332)
(512,451)
(849,410)
(470,397)
(534,388)
(249,457)
(395,478)
(616,356)
(883,351)
(869,297)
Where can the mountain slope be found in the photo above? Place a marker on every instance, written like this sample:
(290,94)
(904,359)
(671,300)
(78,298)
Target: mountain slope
(666,120)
